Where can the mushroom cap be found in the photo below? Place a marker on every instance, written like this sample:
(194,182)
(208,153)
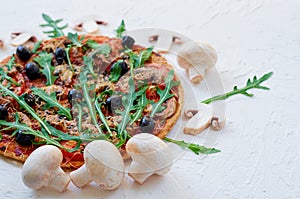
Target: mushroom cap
(37,169)
(150,151)
(104,164)
(197,55)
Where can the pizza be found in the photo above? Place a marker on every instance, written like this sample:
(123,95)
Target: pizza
(71,90)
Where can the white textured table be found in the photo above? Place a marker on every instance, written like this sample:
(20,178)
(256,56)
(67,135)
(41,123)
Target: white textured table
(260,143)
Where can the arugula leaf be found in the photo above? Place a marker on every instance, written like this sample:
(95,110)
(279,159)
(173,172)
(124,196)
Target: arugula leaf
(142,103)
(99,48)
(88,62)
(164,94)
(25,106)
(74,39)
(36,46)
(88,100)
(44,60)
(4,75)
(255,83)
(197,149)
(11,62)
(51,101)
(102,116)
(138,60)
(57,30)
(115,74)
(121,29)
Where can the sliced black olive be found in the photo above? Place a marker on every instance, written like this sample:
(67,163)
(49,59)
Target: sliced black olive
(114,102)
(29,99)
(60,55)
(147,124)
(23,53)
(74,95)
(32,70)
(24,139)
(123,65)
(3,112)
(127,41)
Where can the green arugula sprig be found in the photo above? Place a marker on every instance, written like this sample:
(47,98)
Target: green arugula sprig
(164,94)
(51,101)
(138,60)
(139,108)
(120,29)
(88,62)
(255,83)
(36,46)
(57,31)
(104,49)
(74,39)
(25,106)
(4,75)
(89,102)
(197,149)
(11,62)
(102,116)
(115,72)
(44,60)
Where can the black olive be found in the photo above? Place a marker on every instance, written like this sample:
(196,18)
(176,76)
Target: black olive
(3,112)
(24,139)
(23,53)
(127,41)
(114,102)
(29,99)
(60,55)
(147,124)
(32,70)
(73,95)
(123,65)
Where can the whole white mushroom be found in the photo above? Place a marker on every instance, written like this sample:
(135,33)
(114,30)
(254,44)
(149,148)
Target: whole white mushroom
(103,164)
(150,155)
(197,59)
(42,169)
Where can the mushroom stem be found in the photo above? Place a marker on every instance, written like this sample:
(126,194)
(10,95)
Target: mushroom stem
(80,177)
(196,74)
(60,180)
(138,172)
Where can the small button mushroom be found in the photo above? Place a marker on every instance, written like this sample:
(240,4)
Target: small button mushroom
(197,59)
(103,165)
(42,168)
(200,121)
(89,24)
(21,38)
(150,155)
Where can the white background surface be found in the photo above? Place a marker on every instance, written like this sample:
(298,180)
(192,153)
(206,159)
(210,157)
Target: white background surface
(260,143)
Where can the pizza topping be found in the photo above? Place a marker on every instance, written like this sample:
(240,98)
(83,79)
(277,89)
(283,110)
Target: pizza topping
(42,168)
(105,169)
(32,70)
(150,155)
(60,55)
(11,63)
(117,70)
(23,53)
(74,95)
(24,139)
(113,103)
(127,42)
(147,124)
(30,99)
(44,60)
(5,76)
(120,29)
(3,112)
(51,101)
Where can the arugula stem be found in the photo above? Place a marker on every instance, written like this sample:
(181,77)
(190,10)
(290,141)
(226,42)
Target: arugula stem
(102,117)
(79,117)
(24,105)
(90,106)
(193,147)
(68,58)
(250,85)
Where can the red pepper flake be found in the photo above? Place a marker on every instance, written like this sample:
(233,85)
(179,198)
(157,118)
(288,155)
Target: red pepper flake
(18,152)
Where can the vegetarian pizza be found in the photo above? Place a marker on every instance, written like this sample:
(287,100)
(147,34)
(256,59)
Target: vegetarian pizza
(71,90)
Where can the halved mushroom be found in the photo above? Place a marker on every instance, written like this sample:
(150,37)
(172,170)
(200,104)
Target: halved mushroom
(150,155)
(42,168)
(103,165)
(19,38)
(200,121)
(197,59)
(89,24)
